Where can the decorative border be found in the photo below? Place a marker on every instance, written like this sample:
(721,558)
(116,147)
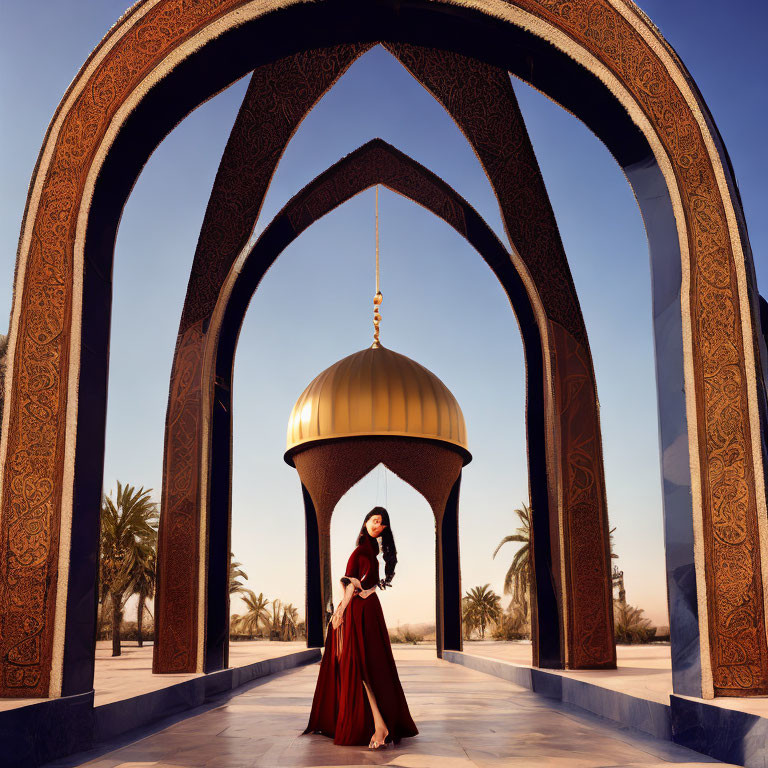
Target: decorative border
(40,420)
(618,45)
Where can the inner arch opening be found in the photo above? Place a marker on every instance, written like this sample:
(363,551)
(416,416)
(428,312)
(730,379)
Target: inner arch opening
(329,270)
(409,605)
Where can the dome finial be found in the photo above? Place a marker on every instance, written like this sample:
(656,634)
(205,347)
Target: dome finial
(378,298)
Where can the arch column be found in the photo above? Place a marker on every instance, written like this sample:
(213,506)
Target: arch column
(324,557)
(491,120)
(328,470)
(315,578)
(448,575)
(193,512)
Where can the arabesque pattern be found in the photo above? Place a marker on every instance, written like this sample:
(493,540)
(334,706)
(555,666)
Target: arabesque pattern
(583,492)
(279,95)
(34,463)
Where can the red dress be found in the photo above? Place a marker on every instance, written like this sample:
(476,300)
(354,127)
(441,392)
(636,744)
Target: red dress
(358,650)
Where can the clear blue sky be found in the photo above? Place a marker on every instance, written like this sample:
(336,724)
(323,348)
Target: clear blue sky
(442,305)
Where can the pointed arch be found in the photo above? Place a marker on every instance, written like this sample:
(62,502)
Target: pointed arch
(378,162)
(578,566)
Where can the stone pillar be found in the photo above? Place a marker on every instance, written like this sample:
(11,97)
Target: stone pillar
(326,581)
(314,578)
(448,588)
(219,531)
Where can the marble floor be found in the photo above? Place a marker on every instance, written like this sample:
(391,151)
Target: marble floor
(465,719)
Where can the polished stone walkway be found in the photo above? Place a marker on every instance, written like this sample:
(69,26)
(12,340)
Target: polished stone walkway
(465,719)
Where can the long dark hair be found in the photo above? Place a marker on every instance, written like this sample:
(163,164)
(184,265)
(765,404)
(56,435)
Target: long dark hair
(388,549)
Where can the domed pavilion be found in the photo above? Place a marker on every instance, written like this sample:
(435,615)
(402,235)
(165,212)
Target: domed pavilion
(375,407)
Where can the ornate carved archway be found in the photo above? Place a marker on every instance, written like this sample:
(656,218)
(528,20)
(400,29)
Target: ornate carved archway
(571,501)
(602,60)
(378,162)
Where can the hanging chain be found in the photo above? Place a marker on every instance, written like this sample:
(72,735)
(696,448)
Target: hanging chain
(377,299)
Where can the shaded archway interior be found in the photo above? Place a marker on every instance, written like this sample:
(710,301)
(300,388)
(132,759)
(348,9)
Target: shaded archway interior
(414,574)
(329,469)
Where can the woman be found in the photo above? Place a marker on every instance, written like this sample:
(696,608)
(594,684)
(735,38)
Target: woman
(358,698)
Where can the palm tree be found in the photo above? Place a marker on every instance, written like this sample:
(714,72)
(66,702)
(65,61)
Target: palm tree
(482,606)
(236,573)
(144,581)
(128,528)
(103,604)
(274,619)
(256,616)
(518,579)
(468,619)
(289,622)
(630,624)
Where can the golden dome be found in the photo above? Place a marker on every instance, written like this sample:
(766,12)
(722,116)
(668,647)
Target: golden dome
(376,392)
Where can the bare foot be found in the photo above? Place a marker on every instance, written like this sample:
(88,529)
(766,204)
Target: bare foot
(379,739)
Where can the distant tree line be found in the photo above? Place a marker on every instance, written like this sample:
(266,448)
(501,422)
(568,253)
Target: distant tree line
(267,619)
(128,567)
(482,606)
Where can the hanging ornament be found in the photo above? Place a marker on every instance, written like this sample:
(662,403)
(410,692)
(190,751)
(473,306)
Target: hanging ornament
(377,299)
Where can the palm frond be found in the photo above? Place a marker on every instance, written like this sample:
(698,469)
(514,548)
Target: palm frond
(506,540)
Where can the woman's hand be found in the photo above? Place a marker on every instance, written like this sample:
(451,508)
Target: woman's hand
(337,619)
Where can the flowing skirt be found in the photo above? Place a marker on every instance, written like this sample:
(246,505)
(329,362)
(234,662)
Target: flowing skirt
(359,650)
